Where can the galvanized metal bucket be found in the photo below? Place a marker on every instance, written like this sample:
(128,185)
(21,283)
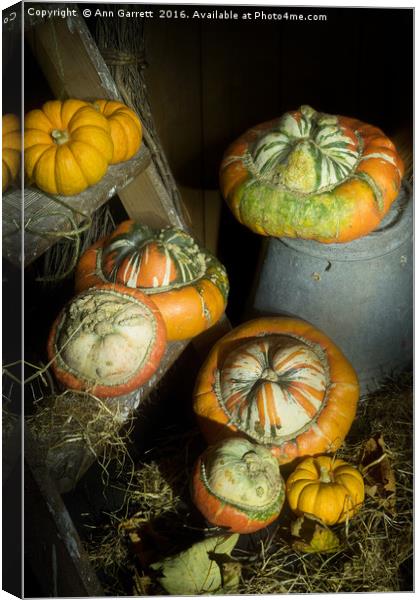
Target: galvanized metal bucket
(360,294)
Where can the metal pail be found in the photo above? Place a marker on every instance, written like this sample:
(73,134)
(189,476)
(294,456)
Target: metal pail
(360,293)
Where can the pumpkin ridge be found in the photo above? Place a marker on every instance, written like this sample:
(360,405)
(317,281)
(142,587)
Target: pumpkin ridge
(247,401)
(95,148)
(57,169)
(39,157)
(79,161)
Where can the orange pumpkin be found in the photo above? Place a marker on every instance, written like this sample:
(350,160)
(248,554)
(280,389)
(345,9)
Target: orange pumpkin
(311,175)
(11,148)
(126,129)
(107,340)
(282,383)
(327,488)
(68,146)
(187,283)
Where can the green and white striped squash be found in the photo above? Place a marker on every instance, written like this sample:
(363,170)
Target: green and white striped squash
(312,175)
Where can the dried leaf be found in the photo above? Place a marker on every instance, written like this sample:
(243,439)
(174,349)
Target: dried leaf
(141,585)
(377,471)
(231,575)
(145,542)
(196,570)
(313,536)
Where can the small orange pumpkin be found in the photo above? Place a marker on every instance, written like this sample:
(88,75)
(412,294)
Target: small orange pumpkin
(327,488)
(11,149)
(187,283)
(68,146)
(107,340)
(126,129)
(282,383)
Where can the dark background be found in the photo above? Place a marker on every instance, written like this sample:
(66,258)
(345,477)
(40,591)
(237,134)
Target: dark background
(209,80)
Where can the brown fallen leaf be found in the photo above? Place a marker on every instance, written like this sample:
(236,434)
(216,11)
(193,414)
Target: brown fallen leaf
(311,535)
(231,575)
(141,585)
(145,542)
(379,476)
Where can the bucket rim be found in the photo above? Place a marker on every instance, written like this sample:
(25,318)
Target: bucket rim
(394,230)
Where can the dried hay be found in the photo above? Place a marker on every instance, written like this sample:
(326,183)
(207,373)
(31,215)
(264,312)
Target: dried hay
(11,396)
(74,427)
(59,261)
(376,545)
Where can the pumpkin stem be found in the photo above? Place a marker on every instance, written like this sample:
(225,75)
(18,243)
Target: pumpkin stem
(270,375)
(60,136)
(325,476)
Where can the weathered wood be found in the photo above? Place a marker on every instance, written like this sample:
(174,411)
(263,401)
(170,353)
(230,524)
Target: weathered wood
(12,450)
(68,462)
(45,217)
(73,67)
(52,545)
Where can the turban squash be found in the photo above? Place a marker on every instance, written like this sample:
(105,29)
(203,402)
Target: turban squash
(237,484)
(327,488)
(11,148)
(280,382)
(107,341)
(311,175)
(187,283)
(68,146)
(125,128)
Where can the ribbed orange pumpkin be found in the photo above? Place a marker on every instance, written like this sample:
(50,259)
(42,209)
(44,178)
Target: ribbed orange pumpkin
(126,129)
(327,488)
(311,175)
(187,283)
(107,340)
(68,146)
(282,383)
(11,149)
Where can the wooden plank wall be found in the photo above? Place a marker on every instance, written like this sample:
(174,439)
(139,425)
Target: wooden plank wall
(209,81)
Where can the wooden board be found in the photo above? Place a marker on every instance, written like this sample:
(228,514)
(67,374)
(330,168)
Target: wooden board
(45,217)
(52,545)
(68,462)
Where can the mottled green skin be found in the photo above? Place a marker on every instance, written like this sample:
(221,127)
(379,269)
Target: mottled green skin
(283,213)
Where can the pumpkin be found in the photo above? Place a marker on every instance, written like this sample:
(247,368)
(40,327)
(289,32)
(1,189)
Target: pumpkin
(107,341)
(327,488)
(282,383)
(68,146)
(237,484)
(311,175)
(187,283)
(125,126)
(11,148)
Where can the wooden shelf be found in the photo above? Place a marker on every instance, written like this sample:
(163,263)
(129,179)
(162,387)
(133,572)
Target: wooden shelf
(68,463)
(45,216)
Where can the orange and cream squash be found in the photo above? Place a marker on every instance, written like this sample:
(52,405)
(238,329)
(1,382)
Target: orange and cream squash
(107,341)
(282,383)
(311,175)
(187,283)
